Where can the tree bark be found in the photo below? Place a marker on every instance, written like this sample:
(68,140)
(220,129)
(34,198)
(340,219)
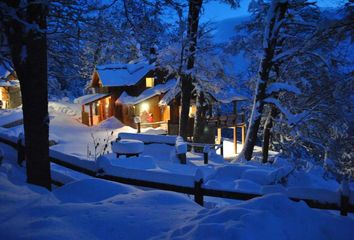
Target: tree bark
(186,89)
(28,46)
(199,135)
(187,86)
(267,133)
(276,14)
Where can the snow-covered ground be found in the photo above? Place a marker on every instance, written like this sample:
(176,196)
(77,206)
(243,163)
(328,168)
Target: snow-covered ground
(91,208)
(10,115)
(74,142)
(98,209)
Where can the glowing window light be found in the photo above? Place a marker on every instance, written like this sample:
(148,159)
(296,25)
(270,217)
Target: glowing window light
(144,107)
(150,82)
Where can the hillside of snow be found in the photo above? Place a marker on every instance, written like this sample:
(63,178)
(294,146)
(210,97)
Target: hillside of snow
(99,209)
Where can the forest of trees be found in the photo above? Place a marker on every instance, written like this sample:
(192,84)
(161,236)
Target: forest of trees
(301,71)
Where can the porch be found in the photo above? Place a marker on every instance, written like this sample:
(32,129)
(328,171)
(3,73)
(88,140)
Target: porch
(95,108)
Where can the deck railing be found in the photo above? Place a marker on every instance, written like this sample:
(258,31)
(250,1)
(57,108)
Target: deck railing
(150,124)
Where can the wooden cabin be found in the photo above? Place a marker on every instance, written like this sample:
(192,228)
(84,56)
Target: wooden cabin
(126,91)
(10,94)
(137,92)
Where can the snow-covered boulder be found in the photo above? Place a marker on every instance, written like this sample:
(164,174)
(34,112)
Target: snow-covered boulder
(127,146)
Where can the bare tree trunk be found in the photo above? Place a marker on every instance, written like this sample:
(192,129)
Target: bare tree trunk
(267,132)
(276,14)
(28,48)
(186,87)
(200,120)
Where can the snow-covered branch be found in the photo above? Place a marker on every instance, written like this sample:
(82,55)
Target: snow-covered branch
(277,87)
(292,118)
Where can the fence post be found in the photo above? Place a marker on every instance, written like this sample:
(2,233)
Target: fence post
(20,150)
(222,147)
(206,154)
(198,191)
(139,127)
(344,197)
(205,158)
(182,158)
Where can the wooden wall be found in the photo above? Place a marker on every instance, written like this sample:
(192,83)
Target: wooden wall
(15,97)
(11,97)
(166,113)
(4,97)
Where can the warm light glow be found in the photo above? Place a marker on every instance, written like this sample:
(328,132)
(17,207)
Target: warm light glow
(3,101)
(192,110)
(150,82)
(144,107)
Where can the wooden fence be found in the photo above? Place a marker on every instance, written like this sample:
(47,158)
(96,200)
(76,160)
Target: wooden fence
(150,124)
(198,190)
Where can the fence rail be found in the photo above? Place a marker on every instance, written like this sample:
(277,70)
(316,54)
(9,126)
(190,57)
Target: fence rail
(198,190)
(149,124)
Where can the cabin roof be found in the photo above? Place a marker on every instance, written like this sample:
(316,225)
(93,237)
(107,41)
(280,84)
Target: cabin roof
(9,83)
(5,70)
(118,74)
(147,93)
(86,99)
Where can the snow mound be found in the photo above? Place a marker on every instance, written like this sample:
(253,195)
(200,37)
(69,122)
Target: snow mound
(266,176)
(100,209)
(111,123)
(142,162)
(57,107)
(90,190)
(270,217)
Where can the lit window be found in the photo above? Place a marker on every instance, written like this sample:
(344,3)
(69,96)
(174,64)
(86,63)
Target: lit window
(149,82)
(144,107)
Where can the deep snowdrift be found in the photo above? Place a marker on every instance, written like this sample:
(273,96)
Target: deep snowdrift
(98,209)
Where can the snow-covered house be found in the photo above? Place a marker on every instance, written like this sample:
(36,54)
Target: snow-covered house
(138,89)
(126,91)
(10,94)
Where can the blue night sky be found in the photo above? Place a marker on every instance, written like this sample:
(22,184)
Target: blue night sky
(216,11)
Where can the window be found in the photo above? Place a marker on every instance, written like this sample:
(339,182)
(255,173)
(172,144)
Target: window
(149,82)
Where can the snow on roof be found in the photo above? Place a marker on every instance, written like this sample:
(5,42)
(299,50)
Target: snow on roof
(5,70)
(170,95)
(90,98)
(10,83)
(226,96)
(116,75)
(146,94)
